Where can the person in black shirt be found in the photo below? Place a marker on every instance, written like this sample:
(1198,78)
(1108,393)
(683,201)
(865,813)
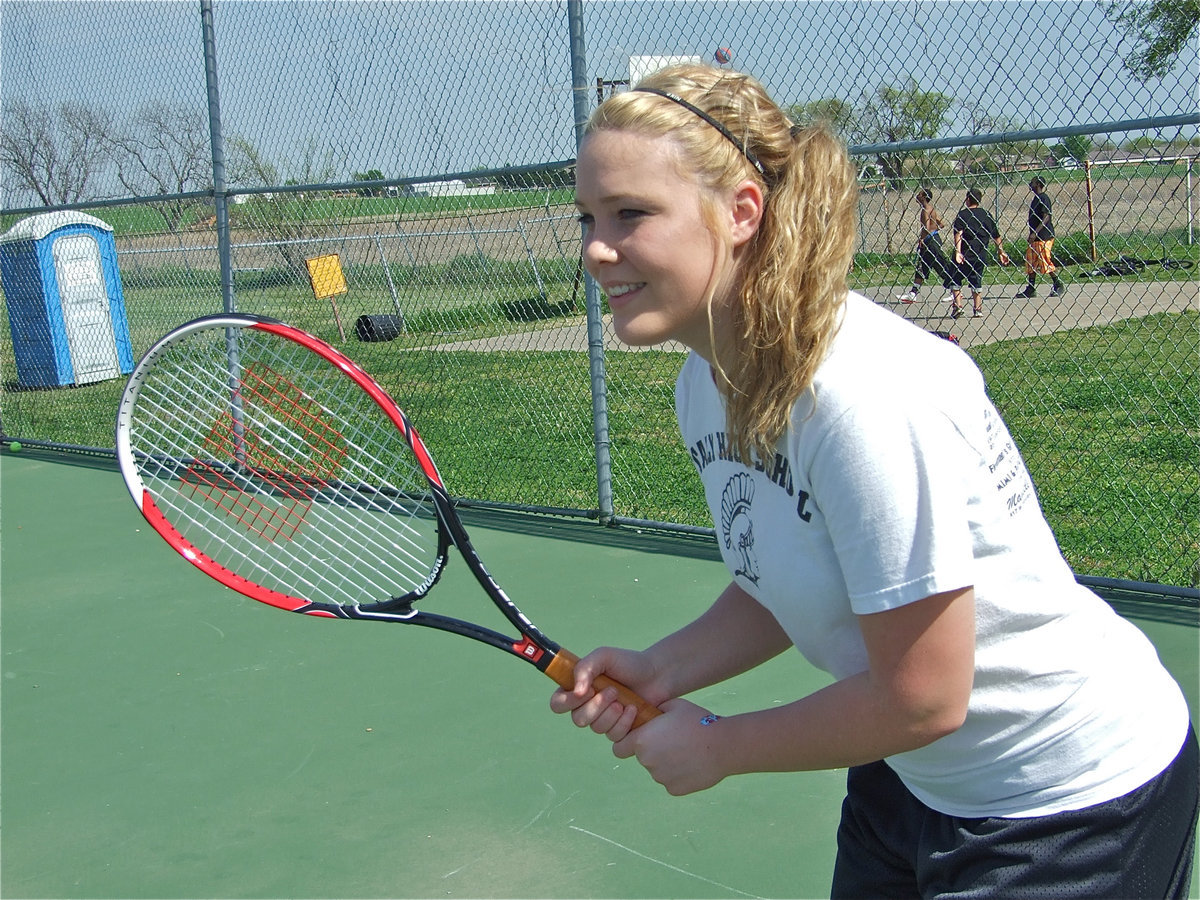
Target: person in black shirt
(1041,241)
(974,229)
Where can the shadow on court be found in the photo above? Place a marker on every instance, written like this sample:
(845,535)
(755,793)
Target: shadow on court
(165,737)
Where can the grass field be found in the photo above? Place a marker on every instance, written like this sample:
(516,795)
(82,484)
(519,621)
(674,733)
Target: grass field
(1106,418)
(143,218)
(1107,421)
(349,204)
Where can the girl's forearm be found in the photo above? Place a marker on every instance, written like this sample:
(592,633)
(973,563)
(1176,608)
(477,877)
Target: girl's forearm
(916,689)
(733,636)
(848,723)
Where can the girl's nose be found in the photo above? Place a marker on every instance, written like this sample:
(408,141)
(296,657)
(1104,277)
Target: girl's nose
(596,251)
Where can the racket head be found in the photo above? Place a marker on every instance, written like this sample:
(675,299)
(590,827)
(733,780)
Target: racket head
(277,466)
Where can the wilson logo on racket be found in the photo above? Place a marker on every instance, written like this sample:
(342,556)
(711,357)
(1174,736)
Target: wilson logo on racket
(270,490)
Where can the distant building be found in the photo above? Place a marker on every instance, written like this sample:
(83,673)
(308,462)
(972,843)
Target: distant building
(452,188)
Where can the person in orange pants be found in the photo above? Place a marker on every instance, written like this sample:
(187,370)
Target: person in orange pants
(1041,242)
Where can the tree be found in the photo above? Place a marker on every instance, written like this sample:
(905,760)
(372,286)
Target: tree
(246,166)
(896,114)
(1078,147)
(165,150)
(1160,30)
(285,220)
(369,175)
(57,155)
(839,114)
(1001,156)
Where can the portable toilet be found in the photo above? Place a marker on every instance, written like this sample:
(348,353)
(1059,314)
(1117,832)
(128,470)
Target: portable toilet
(66,310)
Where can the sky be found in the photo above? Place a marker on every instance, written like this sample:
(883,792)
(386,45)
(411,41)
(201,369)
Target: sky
(419,88)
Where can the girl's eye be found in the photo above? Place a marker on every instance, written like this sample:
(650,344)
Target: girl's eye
(631,213)
(585,220)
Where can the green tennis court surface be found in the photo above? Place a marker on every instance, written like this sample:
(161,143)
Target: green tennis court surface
(164,737)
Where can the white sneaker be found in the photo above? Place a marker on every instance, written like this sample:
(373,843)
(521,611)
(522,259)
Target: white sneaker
(909,297)
(949,298)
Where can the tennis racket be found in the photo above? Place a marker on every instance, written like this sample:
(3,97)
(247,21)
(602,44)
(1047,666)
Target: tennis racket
(276,465)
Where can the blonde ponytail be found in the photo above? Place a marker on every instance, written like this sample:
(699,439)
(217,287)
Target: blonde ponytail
(793,288)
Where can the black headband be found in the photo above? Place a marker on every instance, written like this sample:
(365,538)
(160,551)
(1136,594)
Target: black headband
(753,160)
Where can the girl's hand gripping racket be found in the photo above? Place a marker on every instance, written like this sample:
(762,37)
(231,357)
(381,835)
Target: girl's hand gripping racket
(277,466)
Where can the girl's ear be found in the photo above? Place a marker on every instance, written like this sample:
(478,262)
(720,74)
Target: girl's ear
(747,211)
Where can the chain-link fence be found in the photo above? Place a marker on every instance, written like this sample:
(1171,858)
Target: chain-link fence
(198,156)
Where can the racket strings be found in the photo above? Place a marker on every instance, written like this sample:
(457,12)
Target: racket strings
(279,521)
(295,482)
(283,399)
(343,533)
(286,472)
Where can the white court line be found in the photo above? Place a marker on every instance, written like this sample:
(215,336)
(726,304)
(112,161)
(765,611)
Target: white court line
(663,864)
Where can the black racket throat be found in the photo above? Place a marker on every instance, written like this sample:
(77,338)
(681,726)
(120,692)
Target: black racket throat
(536,649)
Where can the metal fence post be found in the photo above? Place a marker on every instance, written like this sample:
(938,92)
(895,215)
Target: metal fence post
(1190,215)
(220,201)
(387,272)
(595,326)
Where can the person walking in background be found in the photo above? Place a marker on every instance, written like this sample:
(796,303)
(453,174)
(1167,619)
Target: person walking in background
(974,229)
(929,253)
(1041,242)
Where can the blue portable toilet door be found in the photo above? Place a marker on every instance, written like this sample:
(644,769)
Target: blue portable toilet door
(86,315)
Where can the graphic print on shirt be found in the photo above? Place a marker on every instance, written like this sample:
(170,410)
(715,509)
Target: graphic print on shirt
(1006,466)
(737,527)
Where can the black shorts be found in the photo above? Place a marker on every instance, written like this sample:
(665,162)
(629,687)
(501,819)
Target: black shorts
(1140,845)
(972,271)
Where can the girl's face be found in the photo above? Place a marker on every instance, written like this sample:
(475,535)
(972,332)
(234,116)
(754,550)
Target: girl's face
(646,242)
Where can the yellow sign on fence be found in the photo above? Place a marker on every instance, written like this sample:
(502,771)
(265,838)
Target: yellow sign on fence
(325,274)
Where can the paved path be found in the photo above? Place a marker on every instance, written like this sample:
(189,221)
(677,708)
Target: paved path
(1084,305)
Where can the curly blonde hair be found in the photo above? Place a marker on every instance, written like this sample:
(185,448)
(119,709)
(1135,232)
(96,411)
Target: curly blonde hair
(792,276)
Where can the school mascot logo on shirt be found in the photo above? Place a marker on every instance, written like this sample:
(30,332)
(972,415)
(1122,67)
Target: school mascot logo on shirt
(737,528)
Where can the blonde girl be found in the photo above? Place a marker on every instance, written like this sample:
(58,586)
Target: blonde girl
(990,711)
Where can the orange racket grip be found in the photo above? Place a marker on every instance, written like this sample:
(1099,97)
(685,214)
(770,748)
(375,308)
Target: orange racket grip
(562,670)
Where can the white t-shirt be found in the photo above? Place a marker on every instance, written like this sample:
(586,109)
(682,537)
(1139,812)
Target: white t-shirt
(899,480)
